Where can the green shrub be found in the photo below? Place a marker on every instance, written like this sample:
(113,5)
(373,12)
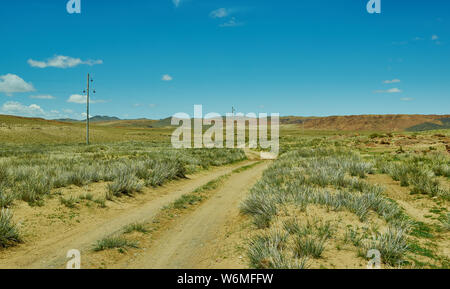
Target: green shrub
(136,227)
(267,251)
(262,208)
(163,171)
(309,246)
(392,245)
(101,202)
(354,237)
(376,135)
(69,202)
(187,200)
(4,175)
(447,222)
(426,185)
(34,189)
(292,226)
(6,199)
(9,234)
(124,184)
(114,243)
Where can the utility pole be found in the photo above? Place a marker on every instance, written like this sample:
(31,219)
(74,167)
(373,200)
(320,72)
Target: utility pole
(87,110)
(89,80)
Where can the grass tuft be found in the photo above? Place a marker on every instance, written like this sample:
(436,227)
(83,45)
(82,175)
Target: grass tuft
(392,245)
(136,227)
(114,243)
(9,234)
(6,199)
(187,200)
(125,184)
(70,202)
(309,246)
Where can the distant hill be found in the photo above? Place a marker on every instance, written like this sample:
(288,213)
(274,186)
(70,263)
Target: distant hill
(445,124)
(295,119)
(97,118)
(112,121)
(398,122)
(6,120)
(138,123)
(386,123)
(163,122)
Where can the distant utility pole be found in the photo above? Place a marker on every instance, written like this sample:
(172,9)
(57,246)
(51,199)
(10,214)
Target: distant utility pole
(233,111)
(89,80)
(303,123)
(87,110)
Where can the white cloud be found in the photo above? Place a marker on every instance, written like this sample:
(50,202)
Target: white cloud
(77,98)
(406,99)
(16,108)
(43,96)
(231,23)
(34,110)
(60,61)
(392,90)
(392,81)
(81,99)
(220,13)
(434,37)
(11,83)
(167,77)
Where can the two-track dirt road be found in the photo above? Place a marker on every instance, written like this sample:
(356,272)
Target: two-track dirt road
(193,239)
(177,248)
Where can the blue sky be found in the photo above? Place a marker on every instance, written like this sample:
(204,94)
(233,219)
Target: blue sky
(156,58)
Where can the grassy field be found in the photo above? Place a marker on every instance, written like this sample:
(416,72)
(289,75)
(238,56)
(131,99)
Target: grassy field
(37,166)
(329,198)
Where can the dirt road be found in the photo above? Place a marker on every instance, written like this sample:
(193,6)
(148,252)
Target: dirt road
(50,252)
(193,240)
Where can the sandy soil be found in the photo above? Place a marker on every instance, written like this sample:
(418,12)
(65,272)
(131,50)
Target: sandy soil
(419,208)
(49,238)
(416,206)
(194,241)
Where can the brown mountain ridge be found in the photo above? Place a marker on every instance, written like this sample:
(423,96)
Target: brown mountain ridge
(387,123)
(397,122)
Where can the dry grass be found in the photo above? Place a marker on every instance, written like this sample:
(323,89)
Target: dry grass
(319,172)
